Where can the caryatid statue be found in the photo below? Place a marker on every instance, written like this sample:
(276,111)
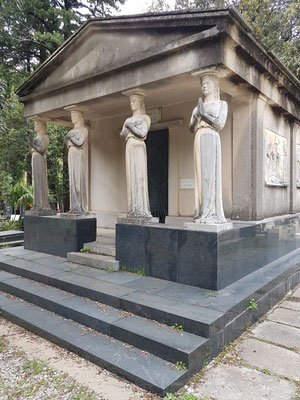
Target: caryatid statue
(77,140)
(39,147)
(135,130)
(208,119)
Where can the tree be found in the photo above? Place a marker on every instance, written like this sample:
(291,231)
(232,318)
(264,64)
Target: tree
(30,30)
(277,24)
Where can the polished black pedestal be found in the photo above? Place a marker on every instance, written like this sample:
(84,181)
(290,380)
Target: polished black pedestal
(58,236)
(205,259)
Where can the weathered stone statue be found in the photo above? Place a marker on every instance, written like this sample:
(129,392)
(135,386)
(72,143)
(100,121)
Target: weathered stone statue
(76,141)
(135,131)
(39,147)
(208,119)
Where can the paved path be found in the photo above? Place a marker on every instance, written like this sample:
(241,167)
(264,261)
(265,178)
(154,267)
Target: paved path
(263,364)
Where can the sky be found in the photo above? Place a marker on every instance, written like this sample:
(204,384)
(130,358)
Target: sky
(136,6)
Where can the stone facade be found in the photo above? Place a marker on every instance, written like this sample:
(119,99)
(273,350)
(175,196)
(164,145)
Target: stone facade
(260,141)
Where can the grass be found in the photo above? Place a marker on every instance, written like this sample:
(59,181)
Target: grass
(33,377)
(213,293)
(252,305)
(3,344)
(180,365)
(132,270)
(110,270)
(170,396)
(177,327)
(85,250)
(33,367)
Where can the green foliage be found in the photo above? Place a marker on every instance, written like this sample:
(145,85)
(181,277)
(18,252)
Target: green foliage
(170,396)
(132,270)
(20,195)
(212,293)
(276,24)
(85,250)
(33,367)
(252,305)
(110,270)
(14,131)
(180,365)
(9,226)
(177,327)
(32,29)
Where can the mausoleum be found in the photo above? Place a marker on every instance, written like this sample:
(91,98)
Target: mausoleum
(184,166)
(159,53)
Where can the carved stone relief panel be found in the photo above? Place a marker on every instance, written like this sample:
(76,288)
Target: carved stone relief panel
(276,159)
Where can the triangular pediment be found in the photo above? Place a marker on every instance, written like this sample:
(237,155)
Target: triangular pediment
(99,48)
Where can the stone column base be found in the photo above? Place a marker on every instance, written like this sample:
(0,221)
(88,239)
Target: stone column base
(77,216)
(138,221)
(40,213)
(193,226)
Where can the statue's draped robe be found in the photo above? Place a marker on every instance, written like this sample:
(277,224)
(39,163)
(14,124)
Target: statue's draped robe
(136,168)
(39,173)
(77,162)
(208,165)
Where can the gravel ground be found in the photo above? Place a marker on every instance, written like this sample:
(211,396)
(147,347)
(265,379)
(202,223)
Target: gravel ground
(33,368)
(22,377)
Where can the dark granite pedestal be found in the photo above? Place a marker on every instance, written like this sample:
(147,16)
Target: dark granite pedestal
(208,260)
(58,236)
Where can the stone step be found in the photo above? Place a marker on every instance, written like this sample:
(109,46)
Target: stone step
(99,248)
(146,370)
(11,244)
(106,238)
(94,260)
(161,340)
(102,286)
(11,236)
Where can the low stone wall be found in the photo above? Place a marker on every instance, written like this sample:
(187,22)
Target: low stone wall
(205,259)
(58,236)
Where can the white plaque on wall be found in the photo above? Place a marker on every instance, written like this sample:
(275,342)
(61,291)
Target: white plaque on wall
(187,183)
(155,115)
(276,159)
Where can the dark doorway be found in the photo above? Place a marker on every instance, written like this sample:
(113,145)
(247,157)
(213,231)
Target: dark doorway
(157,143)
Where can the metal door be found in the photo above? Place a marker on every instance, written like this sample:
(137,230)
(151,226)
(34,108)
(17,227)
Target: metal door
(157,143)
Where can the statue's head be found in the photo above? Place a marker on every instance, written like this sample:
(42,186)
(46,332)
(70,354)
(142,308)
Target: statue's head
(137,102)
(77,116)
(210,85)
(40,126)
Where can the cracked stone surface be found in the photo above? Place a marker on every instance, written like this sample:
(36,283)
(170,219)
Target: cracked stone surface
(273,358)
(283,335)
(237,382)
(285,316)
(264,364)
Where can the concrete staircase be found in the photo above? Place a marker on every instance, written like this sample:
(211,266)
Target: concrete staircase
(101,253)
(149,331)
(11,238)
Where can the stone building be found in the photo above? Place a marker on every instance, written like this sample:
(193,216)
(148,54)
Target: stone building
(159,53)
(213,282)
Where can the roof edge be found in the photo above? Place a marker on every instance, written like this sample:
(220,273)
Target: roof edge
(228,11)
